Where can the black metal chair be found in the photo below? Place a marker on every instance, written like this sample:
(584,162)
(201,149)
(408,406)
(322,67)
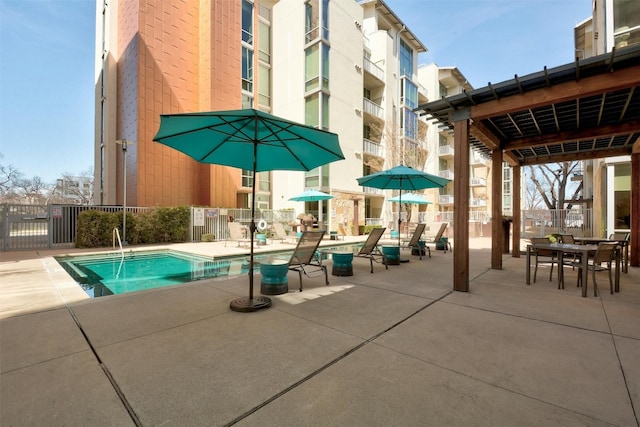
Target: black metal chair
(370,248)
(305,258)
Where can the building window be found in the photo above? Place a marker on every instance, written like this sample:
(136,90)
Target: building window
(264,42)
(443,91)
(406,59)
(626,22)
(247,100)
(264,181)
(247,178)
(622,196)
(311,20)
(247,69)
(325,19)
(409,121)
(312,67)
(408,93)
(264,86)
(247,22)
(325,66)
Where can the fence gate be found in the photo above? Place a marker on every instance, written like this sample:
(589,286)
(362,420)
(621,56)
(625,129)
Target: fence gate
(24,227)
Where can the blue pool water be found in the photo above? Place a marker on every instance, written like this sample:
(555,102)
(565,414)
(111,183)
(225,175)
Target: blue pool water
(111,274)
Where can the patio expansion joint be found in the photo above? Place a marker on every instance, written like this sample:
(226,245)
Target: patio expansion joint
(333,362)
(123,399)
(620,365)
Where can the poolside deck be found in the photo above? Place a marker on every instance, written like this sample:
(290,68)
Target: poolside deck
(397,347)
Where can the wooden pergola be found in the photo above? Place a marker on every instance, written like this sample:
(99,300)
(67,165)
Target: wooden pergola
(584,110)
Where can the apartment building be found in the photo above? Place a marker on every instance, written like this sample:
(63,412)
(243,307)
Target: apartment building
(614,24)
(349,66)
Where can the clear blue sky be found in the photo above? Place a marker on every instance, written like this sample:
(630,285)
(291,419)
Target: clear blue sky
(47,64)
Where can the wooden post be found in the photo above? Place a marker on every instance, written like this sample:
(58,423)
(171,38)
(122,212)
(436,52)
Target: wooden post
(461,209)
(517,210)
(634,253)
(497,233)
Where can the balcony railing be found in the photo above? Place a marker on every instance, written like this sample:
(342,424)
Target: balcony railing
(445,151)
(478,160)
(477,182)
(446,174)
(371,190)
(477,203)
(372,108)
(373,148)
(373,69)
(445,199)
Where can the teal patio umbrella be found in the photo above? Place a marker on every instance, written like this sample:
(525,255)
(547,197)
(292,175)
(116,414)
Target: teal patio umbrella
(252,140)
(410,198)
(311,196)
(402,178)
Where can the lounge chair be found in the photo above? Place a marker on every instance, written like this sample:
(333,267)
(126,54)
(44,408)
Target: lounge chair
(436,239)
(370,248)
(415,243)
(305,259)
(281,235)
(236,234)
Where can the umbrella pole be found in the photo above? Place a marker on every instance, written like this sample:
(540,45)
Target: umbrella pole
(251,304)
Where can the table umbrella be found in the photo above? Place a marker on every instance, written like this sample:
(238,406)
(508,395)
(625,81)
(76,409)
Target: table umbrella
(252,140)
(402,178)
(311,196)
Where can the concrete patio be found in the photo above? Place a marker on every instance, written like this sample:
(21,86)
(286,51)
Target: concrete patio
(396,347)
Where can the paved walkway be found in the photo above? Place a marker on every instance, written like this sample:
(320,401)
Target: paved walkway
(396,347)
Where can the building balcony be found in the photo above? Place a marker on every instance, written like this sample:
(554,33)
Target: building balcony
(477,182)
(445,199)
(373,148)
(447,174)
(372,109)
(374,75)
(370,191)
(477,203)
(478,160)
(446,151)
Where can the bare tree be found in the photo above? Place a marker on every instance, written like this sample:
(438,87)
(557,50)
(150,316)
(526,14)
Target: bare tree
(551,181)
(9,175)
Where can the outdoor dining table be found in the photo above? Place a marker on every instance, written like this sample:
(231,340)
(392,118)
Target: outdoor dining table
(595,240)
(561,248)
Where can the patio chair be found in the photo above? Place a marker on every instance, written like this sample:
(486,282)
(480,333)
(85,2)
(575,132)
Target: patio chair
(542,254)
(305,258)
(605,254)
(236,234)
(370,248)
(281,234)
(568,239)
(415,244)
(436,239)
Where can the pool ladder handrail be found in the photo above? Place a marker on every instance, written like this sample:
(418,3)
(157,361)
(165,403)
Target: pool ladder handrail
(115,234)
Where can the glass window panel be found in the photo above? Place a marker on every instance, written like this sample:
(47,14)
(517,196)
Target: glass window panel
(247,101)
(264,42)
(325,111)
(247,22)
(312,110)
(311,20)
(247,69)
(325,19)
(264,86)
(312,67)
(406,59)
(325,66)
(410,123)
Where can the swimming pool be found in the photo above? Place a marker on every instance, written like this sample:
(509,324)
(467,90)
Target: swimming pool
(113,273)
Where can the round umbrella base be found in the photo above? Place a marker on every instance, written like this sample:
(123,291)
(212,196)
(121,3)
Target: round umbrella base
(245,304)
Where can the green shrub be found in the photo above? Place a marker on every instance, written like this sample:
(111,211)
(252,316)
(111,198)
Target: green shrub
(208,237)
(157,225)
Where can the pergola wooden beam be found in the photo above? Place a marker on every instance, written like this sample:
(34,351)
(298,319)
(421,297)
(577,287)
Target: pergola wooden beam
(578,135)
(596,85)
(569,157)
